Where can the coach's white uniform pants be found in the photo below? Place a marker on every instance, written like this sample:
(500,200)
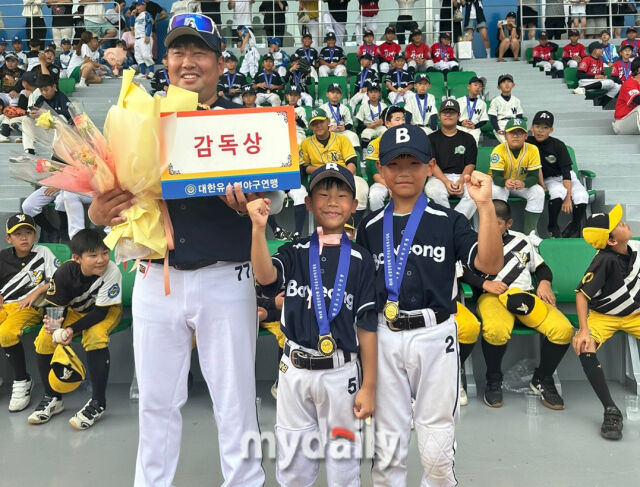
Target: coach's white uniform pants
(607,84)
(332,25)
(218,303)
(75,211)
(311,403)
(339,70)
(378,192)
(629,125)
(534,196)
(437,191)
(442,65)
(271,98)
(366,23)
(144,52)
(547,65)
(421,364)
(556,189)
(369,134)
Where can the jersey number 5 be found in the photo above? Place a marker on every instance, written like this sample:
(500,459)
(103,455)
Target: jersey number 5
(353,386)
(244,267)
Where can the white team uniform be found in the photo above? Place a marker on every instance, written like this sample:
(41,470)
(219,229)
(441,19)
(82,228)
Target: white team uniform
(416,114)
(251,56)
(556,189)
(345,119)
(364,115)
(143,51)
(504,110)
(437,191)
(629,125)
(479,115)
(300,132)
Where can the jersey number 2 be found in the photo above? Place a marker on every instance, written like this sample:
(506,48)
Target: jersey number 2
(449,341)
(240,269)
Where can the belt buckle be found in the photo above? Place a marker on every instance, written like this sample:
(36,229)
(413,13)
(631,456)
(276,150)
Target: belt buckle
(294,355)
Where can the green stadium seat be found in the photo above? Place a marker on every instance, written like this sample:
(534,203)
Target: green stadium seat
(571,77)
(353,63)
(459,78)
(529,55)
(457,91)
(325,81)
(67,85)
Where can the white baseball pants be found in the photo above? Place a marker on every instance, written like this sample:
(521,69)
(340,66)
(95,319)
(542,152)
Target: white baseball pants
(310,405)
(572,63)
(218,303)
(556,189)
(385,67)
(607,84)
(356,100)
(332,25)
(421,364)
(629,125)
(437,191)
(298,195)
(362,192)
(363,23)
(442,65)
(250,61)
(547,65)
(368,134)
(378,192)
(428,63)
(397,98)
(75,211)
(534,196)
(144,52)
(305,99)
(36,201)
(271,98)
(339,70)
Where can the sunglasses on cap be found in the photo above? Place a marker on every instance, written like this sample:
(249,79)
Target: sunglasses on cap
(199,22)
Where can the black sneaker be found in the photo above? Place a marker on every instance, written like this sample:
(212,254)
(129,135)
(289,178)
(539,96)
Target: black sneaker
(281,234)
(296,236)
(546,388)
(612,425)
(554,232)
(571,231)
(493,393)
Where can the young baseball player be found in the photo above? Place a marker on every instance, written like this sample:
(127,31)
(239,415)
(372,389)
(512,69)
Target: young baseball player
(399,82)
(474,109)
(455,154)
(16,44)
(160,81)
(418,54)
(89,287)
(416,243)
(248,97)
(340,117)
(543,56)
(387,50)
(566,193)
(319,386)
(144,42)
(249,50)
(309,53)
(591,75)
(267,83)
(422,104)
(299,78)
(231,82)
(621,69)
(631,40)
(35,46)
(331,59)
(369,116)
(515,169)
(369,47)
(364,77)
(280,58)
(443,56)
(609,53)
(65,57)
(511,294)
(627,115)
(606,302)
(25,271)
(3,51)
(573,51)
(504,107)
(293,99)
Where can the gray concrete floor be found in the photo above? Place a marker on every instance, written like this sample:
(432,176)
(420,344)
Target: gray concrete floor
(495,447)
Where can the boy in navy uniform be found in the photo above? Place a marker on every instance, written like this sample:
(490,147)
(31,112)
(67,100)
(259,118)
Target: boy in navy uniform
(90,288)
(328,318)
(267,83)
(309,53)
(399,82)
(366,75)
(416,243)
(231,82)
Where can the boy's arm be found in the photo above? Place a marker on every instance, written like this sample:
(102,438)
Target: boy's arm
(532,178)
(93,317)
(32,297)
(366,397)
(263,269)
(582,339)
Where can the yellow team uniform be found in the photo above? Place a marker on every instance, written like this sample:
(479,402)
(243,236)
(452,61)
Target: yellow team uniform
(373,150)
(468,325)
(503,160)
(337,150)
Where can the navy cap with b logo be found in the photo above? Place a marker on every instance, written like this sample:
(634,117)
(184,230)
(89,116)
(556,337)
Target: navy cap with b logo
(404,140)
(335,171)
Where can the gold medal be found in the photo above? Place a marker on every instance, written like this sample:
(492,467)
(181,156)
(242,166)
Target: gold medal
(268,92)
(327,345)
(391,311)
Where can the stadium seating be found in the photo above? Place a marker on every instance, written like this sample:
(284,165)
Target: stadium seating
(325,81)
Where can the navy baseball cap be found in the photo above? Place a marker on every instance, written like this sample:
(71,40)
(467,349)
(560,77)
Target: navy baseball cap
(306,34)
(422,77)
(368,32)
(415,32)
(605,31)
(449,105)
(475,79)
(631,29)
(595,45)
(3,41)
(193,25)
(372,85)
(574,33)
(543,35)
(504,77)
(334,87)
(248,90)
(390,29)
(543,117)
(16,39)
(293,90)
(399,56)
(267,56)
(511,14)
(67,41)
(366,55)
(274,40)
(19,220)
(445,35)
(626,46)
(31,78)
(231,57)
(141,2)
(404,140)
(334,171)
(330,35)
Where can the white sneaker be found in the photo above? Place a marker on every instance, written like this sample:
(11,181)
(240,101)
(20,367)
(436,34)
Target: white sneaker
(140,76)
(48,407)
(579,91)
(18,140)
(4,139)
(89,414)
(82,84)
(20,395)
(274,390)
(463,397)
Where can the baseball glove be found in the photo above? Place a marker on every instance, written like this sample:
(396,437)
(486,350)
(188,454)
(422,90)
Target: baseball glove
(13,112)
(304,68)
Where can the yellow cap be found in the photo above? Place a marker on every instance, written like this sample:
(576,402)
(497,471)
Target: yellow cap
(67,371)
(600,225)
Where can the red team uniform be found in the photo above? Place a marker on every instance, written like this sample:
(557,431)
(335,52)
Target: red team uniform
(442,53)
(635,44)
(621,70)
(569,51)
(544,53)
(418,53)
(368,48)
(626,104)
(591,65)
(388,50)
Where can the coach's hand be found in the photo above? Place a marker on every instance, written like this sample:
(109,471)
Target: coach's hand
(479,187)
(106,209)
(365,402)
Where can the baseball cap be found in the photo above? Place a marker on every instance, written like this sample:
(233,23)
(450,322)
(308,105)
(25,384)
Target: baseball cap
(515,124)
(368,32)
(543,117)
(390,29)
(626,46)
(574,33)
(422,77)
(605,31)
(599,225)
(366,55)
(335,171)
(503,77)
(193,25)
(449,105)
(404,139)
(293,90)
(11,56)
(595,45)
(306,34)
(3,41)
(67,41)
(333,87)
(248,90)
(31,78)
(415,32)
(543,35)
(19,220)
(445,35)
(399,56)
(16,39)
(317,114)
(67,371)
(274,40)
(372,85)
(475,79)
(631,29)
(266,56)
(231,57)
(294,57)
(330,35)
(141,2)
(511,14)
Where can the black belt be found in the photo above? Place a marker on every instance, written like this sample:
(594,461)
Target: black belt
(187,266)
(302,360)
(412,322)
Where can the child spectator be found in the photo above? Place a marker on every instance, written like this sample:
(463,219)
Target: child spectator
(573,51)
(89,287)
(230,83)
(84,66)
(331,59)
(631,40)
(609,53)
(504,107)
(267,83)
(369,116)
(543,55)
(280,58)
(365,76)
(35,45)
(65,58)
(418,54)
(3,51)
(17,50)
(144,44)
(515,170)
(399,82)
(621,69)
(422,105)
(387,50)
(299,78)
(340,120)
(249,50)
(368,20)
(248,97)
(443,56)
(160,82)
(25,272)
(369,47)
(47,65)
(474,114)
(309,53)
(591,75)
(578,14)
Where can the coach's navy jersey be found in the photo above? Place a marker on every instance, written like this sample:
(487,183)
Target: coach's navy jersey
(444,236)
(19,276)
(299,322)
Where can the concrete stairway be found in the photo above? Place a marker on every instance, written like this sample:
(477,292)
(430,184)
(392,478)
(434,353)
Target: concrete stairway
(578,123)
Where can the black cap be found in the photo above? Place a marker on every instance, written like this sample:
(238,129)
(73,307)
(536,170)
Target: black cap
(635,66)
(334,171)
(511,14)
(267,55)
(626,46)
(230,57)
(399,56)
(475,79)
(390,29)
(306,34)
(631,29)
(294,57)
(543,117)
(211,39)
(404,139)
(595,45)
(31,78)
(333,87)
(445,35)
(449,105)
(11,56)
(574,33)
(368,32)
(293,90)
(366,55)
(422,77)
(248,89)
(543,35)
(605,31)
(503,77)
(330,35)
(415,32)
(373,85)
(19,220)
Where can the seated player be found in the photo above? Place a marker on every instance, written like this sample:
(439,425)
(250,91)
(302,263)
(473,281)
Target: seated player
(627,114)
(366,75)
(422,104)
(369,47)
(340,120)
(90,288)
(621,69)
(231,82)
(607,302)
(418,54)
(387,50)
(267,83)
(309,53)
(573,51)
(504,107)
(160,82)
(591,76)
(442,55)
(632,41)
(25,271)
(510,295)
(399,82)
(515,169)
(331,59)
(474,113)
(299,76)
(543,56)
(280,58)
(248,97)
(369,116)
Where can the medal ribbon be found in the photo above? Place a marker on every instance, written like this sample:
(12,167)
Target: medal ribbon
(373,117)
(363,77)
(230,80)
(307,53)
(336,114)
(331,51)
(626,69)
(296,79)
(268,80)
(473,107)
(423,108)
(339,286)
(394,266)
